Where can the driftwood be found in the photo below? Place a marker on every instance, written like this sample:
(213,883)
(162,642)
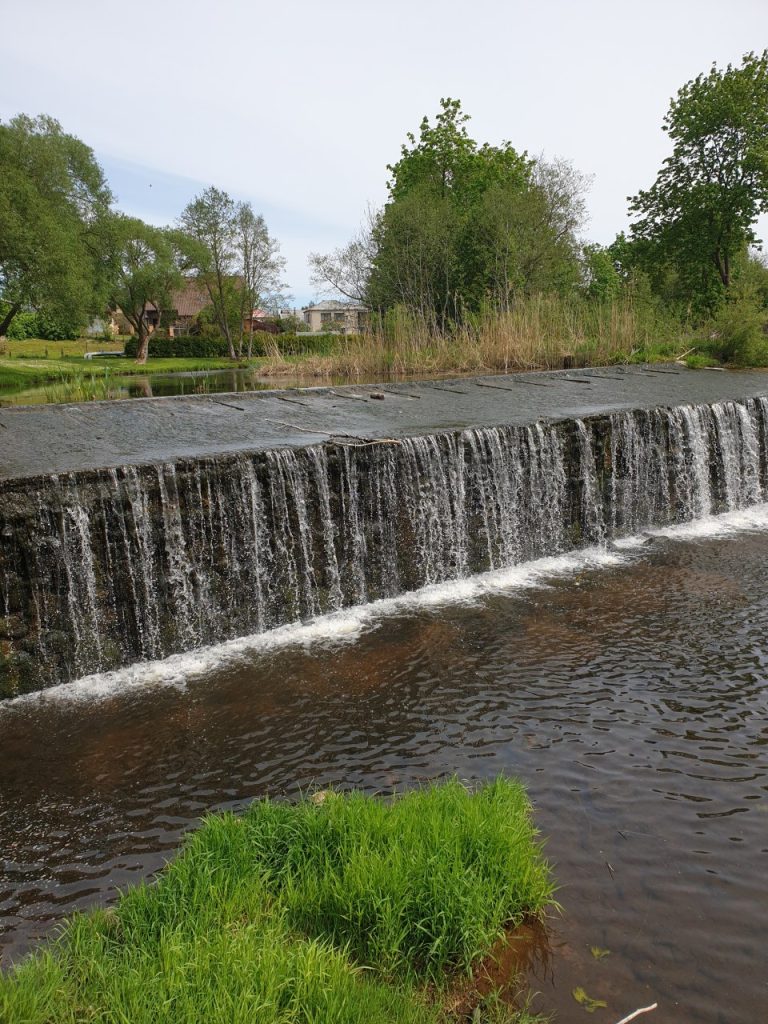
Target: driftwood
(682,356)
(643,1009)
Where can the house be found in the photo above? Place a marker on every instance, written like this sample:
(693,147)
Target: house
(188,302)
(338,317)
(184,307)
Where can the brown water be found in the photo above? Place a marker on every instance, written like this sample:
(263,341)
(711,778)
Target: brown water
(631,698)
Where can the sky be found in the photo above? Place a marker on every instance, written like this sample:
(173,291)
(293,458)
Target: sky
(299,105)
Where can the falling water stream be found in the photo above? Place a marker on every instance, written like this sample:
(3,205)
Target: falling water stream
(142,562)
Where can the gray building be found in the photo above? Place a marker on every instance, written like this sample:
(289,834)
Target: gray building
(342,317)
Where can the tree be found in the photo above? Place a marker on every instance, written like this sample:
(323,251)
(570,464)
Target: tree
(426,254)
(524,234)
(699,214)
(209,224)
(53,197)
(464,226)
(144,271)
(234,256)
(261,267)
(347,270)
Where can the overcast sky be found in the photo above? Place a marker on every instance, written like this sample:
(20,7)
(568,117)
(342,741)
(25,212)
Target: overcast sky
(298,105)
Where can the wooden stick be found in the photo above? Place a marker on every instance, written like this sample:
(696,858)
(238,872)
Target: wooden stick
(643,1009)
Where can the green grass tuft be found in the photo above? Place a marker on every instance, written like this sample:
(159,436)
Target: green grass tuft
(333,911)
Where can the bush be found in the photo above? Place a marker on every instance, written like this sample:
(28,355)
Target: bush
(23,326)
(42,324)
(302,344)
(191,346)
(58,327)
(211,345)
(739,336)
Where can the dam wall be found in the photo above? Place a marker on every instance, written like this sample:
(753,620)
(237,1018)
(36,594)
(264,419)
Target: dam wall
(102,566)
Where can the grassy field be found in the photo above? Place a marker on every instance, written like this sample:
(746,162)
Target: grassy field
(330,911)
(39,348)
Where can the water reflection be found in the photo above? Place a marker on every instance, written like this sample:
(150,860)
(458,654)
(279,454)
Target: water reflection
(632,700)
(87,386)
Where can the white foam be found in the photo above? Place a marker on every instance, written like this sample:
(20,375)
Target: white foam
(347,626)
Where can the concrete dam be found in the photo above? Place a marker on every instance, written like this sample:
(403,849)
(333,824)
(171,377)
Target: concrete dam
(134,530)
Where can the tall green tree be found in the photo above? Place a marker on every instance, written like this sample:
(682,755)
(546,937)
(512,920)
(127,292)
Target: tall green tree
(699,214)
(53,197)
(464,226)
(143,272)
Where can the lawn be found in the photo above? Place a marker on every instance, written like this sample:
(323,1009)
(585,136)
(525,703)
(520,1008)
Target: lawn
(39,348)
(338,909)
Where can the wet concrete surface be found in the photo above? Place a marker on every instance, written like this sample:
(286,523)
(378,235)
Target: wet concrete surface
(39,440)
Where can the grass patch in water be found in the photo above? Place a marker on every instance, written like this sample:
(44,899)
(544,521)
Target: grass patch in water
(354,909)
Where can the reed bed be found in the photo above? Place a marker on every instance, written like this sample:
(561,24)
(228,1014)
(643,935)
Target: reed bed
(539,333)
(345,909)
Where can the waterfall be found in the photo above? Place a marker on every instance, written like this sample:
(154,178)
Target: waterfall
(99,569)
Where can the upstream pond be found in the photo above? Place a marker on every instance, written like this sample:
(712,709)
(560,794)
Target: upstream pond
(87,385)
(626,688)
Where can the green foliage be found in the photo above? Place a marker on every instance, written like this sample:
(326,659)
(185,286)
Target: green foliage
(53,198)
(187,346)
(465,225)
(209,344)
(415,888)
(49,326)
(738,331)
(58,326)
(23,325)
(143,269)
(271,916)
(699,215)
(603,280)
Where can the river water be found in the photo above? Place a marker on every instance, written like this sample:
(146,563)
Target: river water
(626,688)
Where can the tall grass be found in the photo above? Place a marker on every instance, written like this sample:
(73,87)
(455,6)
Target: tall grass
(538,332)
(333,912)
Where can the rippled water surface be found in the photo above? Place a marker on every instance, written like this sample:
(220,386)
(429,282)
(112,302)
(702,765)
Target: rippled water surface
(631,697)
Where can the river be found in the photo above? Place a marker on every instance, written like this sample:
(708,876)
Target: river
(627,688)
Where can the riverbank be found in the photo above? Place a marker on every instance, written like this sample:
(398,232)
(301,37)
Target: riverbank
(339,908)
(539,333)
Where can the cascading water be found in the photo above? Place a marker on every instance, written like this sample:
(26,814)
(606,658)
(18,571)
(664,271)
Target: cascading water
(105,568)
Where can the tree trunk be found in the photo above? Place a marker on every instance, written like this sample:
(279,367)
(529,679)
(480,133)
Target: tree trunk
(143,349)
(8,318)
(723,264)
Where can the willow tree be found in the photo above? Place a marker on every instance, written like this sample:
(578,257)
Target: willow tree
(53,197)
(143,271)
